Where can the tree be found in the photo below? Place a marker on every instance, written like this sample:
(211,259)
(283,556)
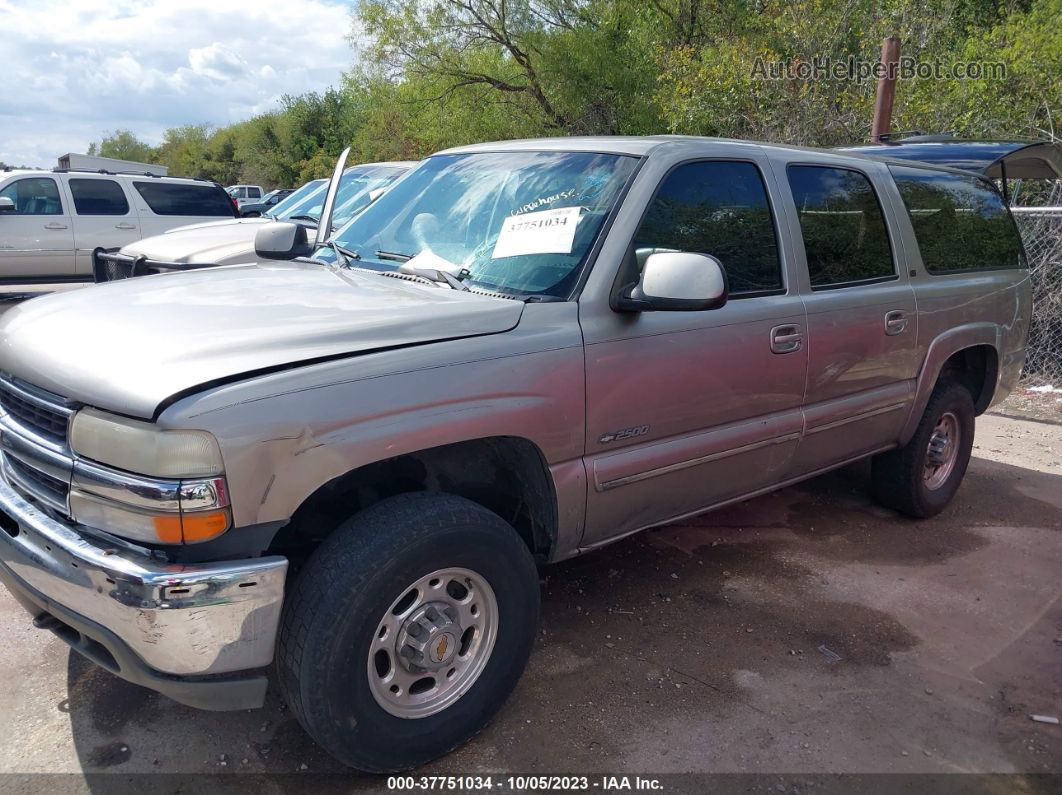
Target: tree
(124,145)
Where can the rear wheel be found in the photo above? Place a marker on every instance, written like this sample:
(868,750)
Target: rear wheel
(921,477)
(407,629)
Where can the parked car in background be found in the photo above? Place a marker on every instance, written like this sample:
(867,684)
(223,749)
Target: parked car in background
(232,241)
(269,201)
(243,194)
(349,465)
(51,221)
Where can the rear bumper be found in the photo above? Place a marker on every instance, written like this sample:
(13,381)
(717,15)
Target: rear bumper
(198,633)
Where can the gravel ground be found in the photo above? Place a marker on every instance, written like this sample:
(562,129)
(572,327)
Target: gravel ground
(804,632)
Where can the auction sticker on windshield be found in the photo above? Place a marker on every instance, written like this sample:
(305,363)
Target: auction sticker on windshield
(544,232)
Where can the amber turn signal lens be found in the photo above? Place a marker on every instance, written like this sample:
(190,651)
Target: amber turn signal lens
(191,528)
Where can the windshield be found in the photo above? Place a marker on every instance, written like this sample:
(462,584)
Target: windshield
(280,211)
(518,222)
(355,187)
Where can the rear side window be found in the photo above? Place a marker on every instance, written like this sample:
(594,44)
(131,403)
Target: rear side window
(98,197)
(170,198)
(960,222)
(844,231)
(254,193)
(718,208)
(34,196)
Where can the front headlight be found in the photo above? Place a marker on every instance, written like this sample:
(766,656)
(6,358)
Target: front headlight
(143,447)
(178,494)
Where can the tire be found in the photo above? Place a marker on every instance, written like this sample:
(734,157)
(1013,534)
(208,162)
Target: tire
(354,584)
(902,478)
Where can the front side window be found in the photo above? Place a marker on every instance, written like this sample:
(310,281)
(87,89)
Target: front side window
(171,198)
(960,223)
(521,223)
(34,196)
(844,230)
(98,197)
(718,208)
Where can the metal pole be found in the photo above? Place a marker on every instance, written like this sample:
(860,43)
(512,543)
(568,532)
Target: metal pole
(890,58)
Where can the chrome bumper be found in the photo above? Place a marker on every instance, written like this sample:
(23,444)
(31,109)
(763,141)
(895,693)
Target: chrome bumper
(181,620)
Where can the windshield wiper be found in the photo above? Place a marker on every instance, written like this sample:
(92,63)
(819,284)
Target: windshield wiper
(394,255)
(346,254)
(309,218)
(436,275)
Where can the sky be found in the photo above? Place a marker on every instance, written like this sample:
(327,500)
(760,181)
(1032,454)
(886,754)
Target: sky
(72,72)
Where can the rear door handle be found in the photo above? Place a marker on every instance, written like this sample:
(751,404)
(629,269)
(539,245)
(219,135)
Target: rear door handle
(54,225)
(895,322)
(786,339)
(125,226)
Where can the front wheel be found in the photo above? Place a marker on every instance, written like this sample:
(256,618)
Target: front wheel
(921,477)
(407,629)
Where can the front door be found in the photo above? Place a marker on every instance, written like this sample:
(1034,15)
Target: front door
(689,409)
(36,240)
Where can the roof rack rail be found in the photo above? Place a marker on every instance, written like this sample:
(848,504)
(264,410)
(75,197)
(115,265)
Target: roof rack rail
(81,171)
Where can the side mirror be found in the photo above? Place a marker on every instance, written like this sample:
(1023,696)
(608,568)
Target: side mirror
(677,281)
(376,193)
(282,240)
(6,205)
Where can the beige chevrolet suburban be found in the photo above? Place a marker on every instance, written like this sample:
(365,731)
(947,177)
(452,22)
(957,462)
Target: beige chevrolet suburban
(344,464)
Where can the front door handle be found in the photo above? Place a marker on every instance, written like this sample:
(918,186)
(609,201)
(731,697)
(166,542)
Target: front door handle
(55,225)
(125,226)
(786,339)
(895,322)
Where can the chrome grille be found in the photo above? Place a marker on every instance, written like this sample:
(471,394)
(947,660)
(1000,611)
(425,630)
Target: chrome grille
(36,483)
(33,430)
(40,411)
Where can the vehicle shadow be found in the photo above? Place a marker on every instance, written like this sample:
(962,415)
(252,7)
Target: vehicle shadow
(670,587)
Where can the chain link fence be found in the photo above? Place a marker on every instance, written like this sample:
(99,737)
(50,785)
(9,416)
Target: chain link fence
(1041,229)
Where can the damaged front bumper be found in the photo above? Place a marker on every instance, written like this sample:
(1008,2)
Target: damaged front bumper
(200,634)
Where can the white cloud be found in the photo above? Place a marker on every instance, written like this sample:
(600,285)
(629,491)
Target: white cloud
(75,71)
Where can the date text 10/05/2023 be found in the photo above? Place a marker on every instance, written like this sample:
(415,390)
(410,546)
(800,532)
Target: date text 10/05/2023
(522,783)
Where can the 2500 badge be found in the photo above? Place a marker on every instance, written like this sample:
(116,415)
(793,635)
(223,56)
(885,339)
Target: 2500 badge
(625,433)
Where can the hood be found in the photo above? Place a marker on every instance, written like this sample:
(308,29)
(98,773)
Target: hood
(227,242)
(129,345)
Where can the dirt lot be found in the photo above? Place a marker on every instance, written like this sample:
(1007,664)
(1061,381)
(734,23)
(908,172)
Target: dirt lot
(804,632)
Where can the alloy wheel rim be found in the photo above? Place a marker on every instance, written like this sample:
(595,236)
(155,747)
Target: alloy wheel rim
(942,452)
(432,643)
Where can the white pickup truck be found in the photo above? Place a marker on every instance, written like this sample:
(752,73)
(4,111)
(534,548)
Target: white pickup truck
(51,221)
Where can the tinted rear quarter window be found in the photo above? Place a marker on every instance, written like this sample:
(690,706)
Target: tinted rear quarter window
(171,198)
(98,197)
(961,223)
(843,226)
(718,208)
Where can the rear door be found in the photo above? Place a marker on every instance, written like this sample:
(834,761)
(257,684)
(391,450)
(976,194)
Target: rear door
(102,216)
(861,313)
(36,240)
(166,205)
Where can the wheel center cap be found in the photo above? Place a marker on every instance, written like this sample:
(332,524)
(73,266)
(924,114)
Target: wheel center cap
(442,648)
(428,638)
